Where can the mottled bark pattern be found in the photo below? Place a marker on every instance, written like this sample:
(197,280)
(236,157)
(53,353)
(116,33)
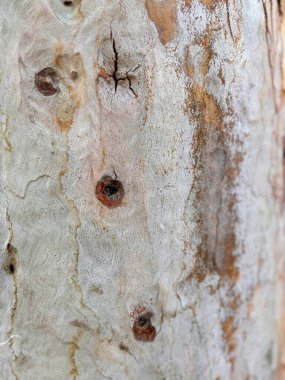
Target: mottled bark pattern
(142,189)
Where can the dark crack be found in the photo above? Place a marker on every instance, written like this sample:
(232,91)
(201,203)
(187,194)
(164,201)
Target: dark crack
(130,86)
(114,75)
(115,71)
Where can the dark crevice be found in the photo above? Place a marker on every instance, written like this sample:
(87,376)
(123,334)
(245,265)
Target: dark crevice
(68,3)
(115,71)
(114,75)
(11,268)
(280,10)
(110,190)
(129,82)
(130,86)
(143,320)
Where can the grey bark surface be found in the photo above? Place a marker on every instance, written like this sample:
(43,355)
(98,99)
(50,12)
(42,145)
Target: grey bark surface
(182,101)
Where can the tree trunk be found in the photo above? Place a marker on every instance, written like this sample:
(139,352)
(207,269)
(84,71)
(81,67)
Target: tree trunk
(142,182)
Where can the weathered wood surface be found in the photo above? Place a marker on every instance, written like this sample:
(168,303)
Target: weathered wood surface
(181,101)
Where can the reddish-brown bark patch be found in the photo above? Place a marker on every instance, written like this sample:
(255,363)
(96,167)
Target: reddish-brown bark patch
(163,14)
(110,192)
(46,81)
(142,327)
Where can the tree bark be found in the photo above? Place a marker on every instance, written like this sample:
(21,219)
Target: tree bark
(142,189)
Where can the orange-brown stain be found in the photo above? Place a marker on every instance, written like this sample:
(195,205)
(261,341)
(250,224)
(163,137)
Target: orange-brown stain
(229,330)
(80,324)
(208,3)
(214,183)
(211,132)
(59,49)
(103,74)
(211,6)
(163,14)
(67,108)
(187,3)
(73,81)
(228,269)
(73,347)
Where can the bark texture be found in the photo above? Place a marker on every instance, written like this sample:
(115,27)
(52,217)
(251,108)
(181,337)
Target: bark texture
(142,189)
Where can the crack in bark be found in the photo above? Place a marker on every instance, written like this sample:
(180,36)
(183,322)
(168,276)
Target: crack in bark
(229,19)
(10,249)
(23,196)
(126,349)
(12,253)
(114,75)
(77,225)
(115,71)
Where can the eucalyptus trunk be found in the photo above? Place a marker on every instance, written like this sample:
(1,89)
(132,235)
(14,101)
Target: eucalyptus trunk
(142,190)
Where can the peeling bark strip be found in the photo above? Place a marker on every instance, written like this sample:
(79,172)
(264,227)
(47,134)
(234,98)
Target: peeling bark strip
(173,267)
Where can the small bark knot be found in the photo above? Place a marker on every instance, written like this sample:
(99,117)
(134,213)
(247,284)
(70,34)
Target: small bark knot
(74,75)
(68,3)
(142,327)
(46,81)
(109,191)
